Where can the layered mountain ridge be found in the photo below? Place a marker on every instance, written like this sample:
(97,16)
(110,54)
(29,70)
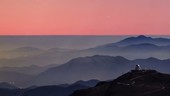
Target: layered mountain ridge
(96,67)
(129,48)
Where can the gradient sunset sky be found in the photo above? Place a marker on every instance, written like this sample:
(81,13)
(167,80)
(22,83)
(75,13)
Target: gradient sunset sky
(84,17)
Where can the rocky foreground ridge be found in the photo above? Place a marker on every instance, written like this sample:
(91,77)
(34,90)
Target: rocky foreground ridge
(133,83)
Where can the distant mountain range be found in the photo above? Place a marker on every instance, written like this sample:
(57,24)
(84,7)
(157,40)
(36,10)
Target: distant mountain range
(83,68)
(135,47)
(143,39)
(52,90)
(134,83)
(131,48)
(59,71)
(96,67)
(103,62)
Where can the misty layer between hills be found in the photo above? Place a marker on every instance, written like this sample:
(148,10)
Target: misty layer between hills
(131,48)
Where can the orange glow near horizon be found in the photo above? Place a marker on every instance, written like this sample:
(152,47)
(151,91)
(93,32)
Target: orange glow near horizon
(84,17)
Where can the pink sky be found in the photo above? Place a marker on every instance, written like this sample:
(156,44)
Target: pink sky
(84,17)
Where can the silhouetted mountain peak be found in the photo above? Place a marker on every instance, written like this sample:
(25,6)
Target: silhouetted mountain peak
(84,68)
(134,40)
(141,39)
(142,36)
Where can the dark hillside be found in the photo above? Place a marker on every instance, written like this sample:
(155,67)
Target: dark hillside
(134,83)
